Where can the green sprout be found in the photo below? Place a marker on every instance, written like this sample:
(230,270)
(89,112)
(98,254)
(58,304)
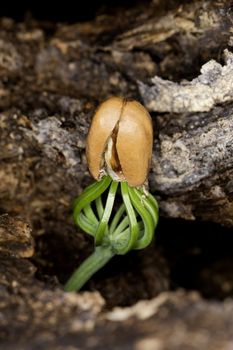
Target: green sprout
(116,210)
(131,227)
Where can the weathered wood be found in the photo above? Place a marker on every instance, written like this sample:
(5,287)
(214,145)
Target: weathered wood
(50,86)
(51,80)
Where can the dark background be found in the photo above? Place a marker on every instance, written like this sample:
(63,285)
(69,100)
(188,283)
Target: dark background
(63,11)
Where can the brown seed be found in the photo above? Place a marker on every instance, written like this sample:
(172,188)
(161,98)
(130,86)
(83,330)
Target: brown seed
(120,141)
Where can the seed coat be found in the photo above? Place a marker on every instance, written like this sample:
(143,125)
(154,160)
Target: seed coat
(120,141)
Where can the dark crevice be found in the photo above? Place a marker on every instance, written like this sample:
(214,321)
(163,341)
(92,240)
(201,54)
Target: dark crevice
(197,254)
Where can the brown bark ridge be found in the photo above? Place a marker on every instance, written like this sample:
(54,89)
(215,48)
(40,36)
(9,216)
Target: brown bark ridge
(173,56)
(39,315)
(51,84)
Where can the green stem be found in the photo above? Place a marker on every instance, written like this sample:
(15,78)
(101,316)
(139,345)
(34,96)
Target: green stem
(92,192)
(107,213)
(133,224)
(148,221)
(92,264)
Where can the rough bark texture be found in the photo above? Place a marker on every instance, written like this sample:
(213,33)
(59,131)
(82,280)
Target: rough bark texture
(175,57)
(51,84)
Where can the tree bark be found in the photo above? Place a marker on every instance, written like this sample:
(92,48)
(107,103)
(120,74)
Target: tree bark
(51,85)
(175,58)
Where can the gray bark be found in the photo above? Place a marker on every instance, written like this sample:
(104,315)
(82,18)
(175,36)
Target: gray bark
(176,59)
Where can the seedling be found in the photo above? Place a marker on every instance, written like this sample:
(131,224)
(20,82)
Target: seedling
(116,209)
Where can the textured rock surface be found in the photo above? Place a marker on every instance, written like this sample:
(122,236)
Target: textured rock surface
(15,237)
(52,77)
(51,84)
(51,319)
(214,86)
